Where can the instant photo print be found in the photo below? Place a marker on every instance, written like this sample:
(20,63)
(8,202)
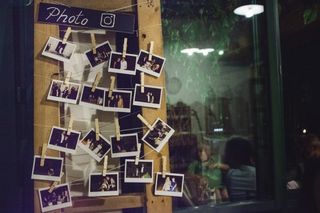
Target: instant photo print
(123,65)
(51,170)
(100,185)
(59,140)
(64,92)
(151,97)
(170,185)
(55,49)
(120,101)
(59,198)
(126,147)
(92,99)
(141,173)
(159,136)
(101,58)
(96,149)
(153,67)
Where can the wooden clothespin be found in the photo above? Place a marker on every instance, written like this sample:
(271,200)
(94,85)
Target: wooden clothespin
(125,45)
(96,81)
(112,78)
(164,166)
(43,154)
(150,50)
(136,162)
(96,121)
(116,122)
(142,82)
(67,79)
(66,35)
(93,42)
(54,184)
(145,122)
(105,166)
(70,126)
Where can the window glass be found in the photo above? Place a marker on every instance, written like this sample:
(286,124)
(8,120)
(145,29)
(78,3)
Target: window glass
(217,101)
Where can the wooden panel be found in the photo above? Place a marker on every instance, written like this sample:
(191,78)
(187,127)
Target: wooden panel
(149,24)
(103,204)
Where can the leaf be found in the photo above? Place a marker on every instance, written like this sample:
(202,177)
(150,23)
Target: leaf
(310,15)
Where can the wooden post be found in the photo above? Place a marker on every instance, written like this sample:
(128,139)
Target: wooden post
(149,21)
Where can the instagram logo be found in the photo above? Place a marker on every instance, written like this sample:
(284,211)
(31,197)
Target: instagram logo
(107,20)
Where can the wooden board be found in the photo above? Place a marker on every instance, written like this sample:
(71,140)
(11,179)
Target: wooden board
(150,29)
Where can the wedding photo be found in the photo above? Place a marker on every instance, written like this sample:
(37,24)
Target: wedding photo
(51,170)
(141,173)
(120,101)
(151,97)
(170,185)
(101,58)
(92,99)
(100,185)
(122,65)
(61,92)
(152,67)
(127,146)
(55,49)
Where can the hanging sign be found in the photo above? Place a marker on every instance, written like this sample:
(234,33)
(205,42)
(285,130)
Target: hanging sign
(80,17)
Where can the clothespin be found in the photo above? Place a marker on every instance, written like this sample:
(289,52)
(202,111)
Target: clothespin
(138,154)
(93,42)
(124,50)
(70,126)
(96,121)
(145,122)
(112,78)
(105,166)
(116,122)
(142,82)
(67,79)
(150,50)
(66,35)
(43,154)
(164,166)
(96,81)
(54,184)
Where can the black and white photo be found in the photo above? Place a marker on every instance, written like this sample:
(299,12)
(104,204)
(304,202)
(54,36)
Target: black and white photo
(170,185)
(151,97)
(120,101)
(51,170)
(96,149)
(152,67)
(102,56)
(61,141)
(159,136)
(103,185)
(59,198)
(141,173)
(64,92)
(92,99)
(55,49)
(122,65)
(125,147)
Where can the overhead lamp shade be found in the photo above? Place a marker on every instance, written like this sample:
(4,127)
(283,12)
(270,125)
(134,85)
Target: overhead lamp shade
(249,8)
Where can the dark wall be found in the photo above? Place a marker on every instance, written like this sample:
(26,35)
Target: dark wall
(16,106)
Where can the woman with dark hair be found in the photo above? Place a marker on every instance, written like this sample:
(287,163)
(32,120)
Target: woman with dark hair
(240,179)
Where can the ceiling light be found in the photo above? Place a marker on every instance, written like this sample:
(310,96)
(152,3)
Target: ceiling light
(190,51)
(206,51)
(249,10)
(221,52)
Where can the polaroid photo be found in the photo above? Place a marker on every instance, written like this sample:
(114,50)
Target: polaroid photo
(103,185)
(150,98)
(153,67)
(67,93)
(170,185)
(101,58)
(92,99)
(59,198)
(96,149)
(57,50)
(121,65)
(159,136)
(120,101)
(127,146)
(141,173)
(51,170)
(59,140)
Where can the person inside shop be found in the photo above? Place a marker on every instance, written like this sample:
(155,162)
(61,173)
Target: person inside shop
(240,177)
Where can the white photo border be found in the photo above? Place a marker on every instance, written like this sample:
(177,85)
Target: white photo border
(93,106)
(117,109)
(103,193)
(124,154)
(144,104)
(120,71)
(46,177)
(141,69)
(56,57)
(64,100)
(101,65)
(165,193)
